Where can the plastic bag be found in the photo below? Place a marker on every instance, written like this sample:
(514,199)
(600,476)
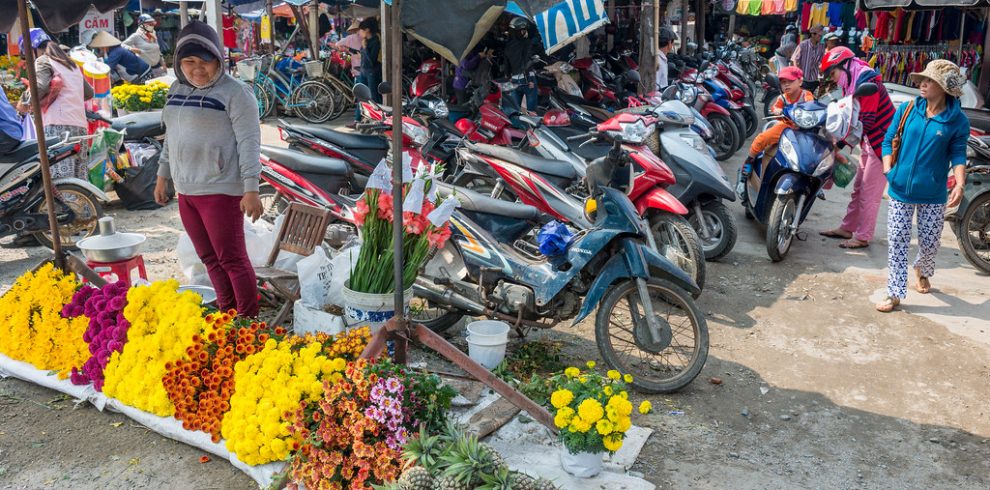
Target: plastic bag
(137,191)
(315,275)
(192,267)
(842,121)
(553,239)
(343,265)
(843,174)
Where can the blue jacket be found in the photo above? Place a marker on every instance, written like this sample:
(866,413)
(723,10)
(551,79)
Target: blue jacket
(133,65)
(929,147)
(10,123)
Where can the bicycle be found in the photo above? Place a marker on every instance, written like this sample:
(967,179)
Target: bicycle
(337,74)
(312,100)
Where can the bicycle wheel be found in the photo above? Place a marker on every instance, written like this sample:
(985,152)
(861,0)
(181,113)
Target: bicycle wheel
(262,92)
(344,99)
(313,101)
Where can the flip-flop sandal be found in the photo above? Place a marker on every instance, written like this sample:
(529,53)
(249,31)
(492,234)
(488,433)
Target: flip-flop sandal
(888,304)
(849,245)
(833,234)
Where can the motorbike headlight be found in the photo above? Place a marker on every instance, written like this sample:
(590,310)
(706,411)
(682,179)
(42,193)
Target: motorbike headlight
(439,108)
(689,95)
(786,148)
(806,119)
(418,134)
(636,132)
(825,166)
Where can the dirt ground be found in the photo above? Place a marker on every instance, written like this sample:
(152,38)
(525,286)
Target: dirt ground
(818,389)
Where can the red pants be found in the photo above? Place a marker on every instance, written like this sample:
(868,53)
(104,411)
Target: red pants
(216,226)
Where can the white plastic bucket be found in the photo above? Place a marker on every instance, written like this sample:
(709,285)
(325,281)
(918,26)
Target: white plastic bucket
(486,342)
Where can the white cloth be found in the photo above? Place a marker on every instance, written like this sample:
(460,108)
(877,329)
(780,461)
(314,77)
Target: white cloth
(662,69)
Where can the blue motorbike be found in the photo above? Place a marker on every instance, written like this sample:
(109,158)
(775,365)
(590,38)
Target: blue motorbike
(782,187)
(647,323)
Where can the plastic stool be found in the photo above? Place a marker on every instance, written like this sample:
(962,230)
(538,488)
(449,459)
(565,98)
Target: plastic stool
(120,270)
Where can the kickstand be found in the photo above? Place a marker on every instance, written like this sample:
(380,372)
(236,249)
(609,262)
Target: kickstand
(801,236)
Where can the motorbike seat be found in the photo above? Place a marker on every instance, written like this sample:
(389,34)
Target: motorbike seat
(539,165)
(302,162)
(140,125)
(352,141)
(25,150)
(480,203)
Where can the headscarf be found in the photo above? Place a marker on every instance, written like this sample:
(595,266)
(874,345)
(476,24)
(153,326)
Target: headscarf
(849,75)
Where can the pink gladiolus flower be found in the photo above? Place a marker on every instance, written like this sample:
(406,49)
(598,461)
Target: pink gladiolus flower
(438,237)
(360,212)
(385,207)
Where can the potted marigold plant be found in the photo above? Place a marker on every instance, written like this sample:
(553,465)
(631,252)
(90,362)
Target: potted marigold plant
(368,294)
(137,98)
(593,413)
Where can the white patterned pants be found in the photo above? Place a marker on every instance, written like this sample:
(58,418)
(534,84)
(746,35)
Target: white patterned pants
(900,218)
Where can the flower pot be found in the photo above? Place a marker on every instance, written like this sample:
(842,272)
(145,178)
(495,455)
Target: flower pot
(581,465)
(370,309)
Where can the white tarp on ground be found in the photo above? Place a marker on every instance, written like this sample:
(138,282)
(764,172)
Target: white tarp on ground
(166,426)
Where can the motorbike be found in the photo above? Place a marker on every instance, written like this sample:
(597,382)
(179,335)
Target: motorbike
(727,138)
(22,196)
(782,187)
(971,221)
(643,301)
(551,185)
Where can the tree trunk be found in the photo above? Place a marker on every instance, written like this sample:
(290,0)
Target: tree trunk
(648,46)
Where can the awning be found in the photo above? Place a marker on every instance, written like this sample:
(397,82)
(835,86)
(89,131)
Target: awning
(566,21)
(889,4)
(57,15)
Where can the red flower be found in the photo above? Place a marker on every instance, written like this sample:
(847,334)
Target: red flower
(204,459)
(385,207)
(360,212)
(438,236)
(415,224)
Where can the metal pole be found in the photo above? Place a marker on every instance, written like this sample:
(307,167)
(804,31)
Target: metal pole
(183,14)
(610,39)
(701,22)
(271,24)
(684,22)
(395,58)
(385,27)
(39,127)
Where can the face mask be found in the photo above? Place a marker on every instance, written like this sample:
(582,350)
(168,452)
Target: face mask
(148,28)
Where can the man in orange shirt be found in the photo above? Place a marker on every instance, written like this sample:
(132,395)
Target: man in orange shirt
(791,78)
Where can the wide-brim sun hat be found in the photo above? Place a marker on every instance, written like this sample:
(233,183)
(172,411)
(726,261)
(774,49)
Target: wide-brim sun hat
(354,26)
(104,39)
(945,73)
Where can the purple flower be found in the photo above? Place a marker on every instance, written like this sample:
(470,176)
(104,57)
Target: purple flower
(117,303)
(377,392)
(393,385)
(393,425)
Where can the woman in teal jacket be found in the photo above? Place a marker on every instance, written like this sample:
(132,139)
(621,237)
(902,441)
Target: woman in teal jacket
(933,142)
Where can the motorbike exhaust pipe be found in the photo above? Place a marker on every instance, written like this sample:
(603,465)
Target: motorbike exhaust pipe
(425,289)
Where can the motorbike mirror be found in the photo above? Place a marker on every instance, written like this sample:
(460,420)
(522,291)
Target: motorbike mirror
(384,88)
(362,92)
(773,81)
(669,93)
(866,90)
(704,65)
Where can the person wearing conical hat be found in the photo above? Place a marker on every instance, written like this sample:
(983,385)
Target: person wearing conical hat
(122,62)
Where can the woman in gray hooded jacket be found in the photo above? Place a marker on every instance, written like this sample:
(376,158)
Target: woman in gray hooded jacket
(212,155)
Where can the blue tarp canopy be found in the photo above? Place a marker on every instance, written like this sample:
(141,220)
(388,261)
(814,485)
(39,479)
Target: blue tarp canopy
(564,22)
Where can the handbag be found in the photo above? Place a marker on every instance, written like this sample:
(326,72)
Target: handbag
(895,143)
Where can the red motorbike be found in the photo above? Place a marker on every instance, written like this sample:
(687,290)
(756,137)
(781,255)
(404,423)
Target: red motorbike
(428,80)
(551,186)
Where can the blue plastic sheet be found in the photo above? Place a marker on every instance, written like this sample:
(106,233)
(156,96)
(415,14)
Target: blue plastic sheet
(554,238)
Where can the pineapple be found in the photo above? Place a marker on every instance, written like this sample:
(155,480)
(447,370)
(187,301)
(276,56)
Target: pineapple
(467,460)
(494,455)
(522,481)
(423,450)
(544,484)
(416,478)
(450,483)
(501,479)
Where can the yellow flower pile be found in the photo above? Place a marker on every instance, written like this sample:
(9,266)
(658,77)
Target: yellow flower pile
(32,328)
(593,412)
(270,385)
(140,97)
(163,323)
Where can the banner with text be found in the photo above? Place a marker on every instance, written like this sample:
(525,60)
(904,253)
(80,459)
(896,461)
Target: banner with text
(568,20)
(93,22)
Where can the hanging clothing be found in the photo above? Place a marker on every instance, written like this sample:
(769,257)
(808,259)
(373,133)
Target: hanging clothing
(835,14)
(755,6)
(805,16)
(790,5)
(742,8)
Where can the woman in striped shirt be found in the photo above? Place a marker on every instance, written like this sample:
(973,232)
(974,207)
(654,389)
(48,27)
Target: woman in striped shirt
(875,112)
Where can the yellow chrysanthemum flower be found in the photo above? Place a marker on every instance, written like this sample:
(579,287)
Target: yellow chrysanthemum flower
(591,410)
(561,398)
(613,375)
(645,407)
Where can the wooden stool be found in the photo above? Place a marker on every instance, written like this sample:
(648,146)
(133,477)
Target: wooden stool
(120,270)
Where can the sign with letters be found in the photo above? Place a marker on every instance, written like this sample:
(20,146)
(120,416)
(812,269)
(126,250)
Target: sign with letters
(94,22)
(568,20)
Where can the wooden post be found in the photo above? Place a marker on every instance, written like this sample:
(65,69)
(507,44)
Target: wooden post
(684,22)
(385,28)
(314,28)
(395,60)
(610,39)
(269,11)
(39,127)
(700,22)
(648,46)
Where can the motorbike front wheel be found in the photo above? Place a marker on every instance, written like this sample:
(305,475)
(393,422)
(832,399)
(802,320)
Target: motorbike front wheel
(726,136)
(752,120)
(721,227)
(973,233)
(624,339)
(780,230)
(679,242)
(84,206)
